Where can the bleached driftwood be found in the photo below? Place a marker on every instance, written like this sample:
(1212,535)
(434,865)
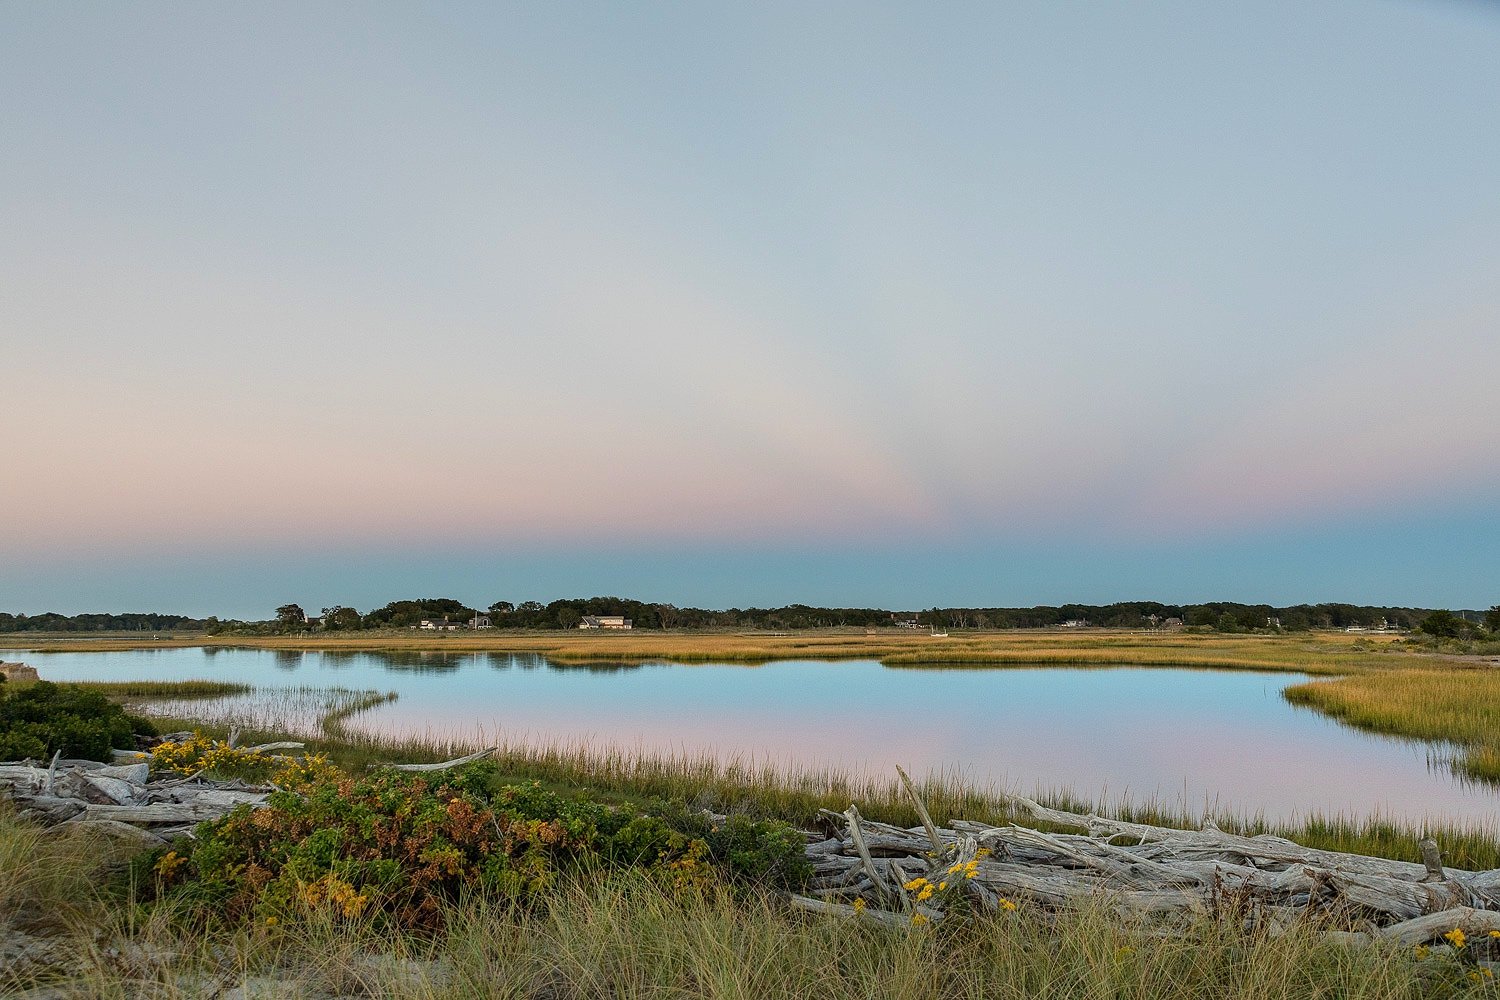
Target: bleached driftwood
(1162,874)
(445,765)
(87,794)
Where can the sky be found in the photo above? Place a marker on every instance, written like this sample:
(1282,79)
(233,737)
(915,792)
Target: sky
(725,305)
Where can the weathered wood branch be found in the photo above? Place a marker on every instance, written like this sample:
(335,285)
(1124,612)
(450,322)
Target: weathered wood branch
(1165,875)
(445,765)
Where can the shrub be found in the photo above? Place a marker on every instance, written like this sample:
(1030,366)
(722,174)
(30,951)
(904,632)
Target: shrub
(44,718)
(399,847)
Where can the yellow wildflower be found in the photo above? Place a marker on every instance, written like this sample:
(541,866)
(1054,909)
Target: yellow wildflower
(942,886)
(1495,934)
(925,894)
(1007,905)
(1456,937)
(1421,951)
(914,884)
(271,921)
(168,865)
(918,919)
(859,906)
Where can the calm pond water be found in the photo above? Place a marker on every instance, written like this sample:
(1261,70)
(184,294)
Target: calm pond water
(1225,739)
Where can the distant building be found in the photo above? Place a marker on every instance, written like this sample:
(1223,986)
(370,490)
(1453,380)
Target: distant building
(605,621)
(434,625)
(1075,623)
(905,619)
(480,621)
(1172,623)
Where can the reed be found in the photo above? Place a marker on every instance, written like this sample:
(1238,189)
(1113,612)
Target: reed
(629,938)
(772,790)
(1460,707)
(166,689)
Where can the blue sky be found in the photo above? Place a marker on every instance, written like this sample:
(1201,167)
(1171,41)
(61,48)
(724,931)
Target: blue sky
(865,304)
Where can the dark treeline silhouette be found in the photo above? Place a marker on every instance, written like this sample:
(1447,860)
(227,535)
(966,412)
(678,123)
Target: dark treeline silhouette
(567,613)
(101,622)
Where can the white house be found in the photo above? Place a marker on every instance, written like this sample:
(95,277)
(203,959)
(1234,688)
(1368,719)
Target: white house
(605,621)
(434,625)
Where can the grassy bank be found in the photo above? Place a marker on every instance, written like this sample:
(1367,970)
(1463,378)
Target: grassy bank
(620,934)
(625,938)
(1458,706)
(1318,653)
(768,791)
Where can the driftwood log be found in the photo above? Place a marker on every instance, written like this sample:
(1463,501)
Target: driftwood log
(126,801)
(877,871)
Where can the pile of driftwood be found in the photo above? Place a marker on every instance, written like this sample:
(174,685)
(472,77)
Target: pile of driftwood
(890,874)
(127,800)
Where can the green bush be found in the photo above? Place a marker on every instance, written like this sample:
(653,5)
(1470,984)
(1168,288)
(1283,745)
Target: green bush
(39,720)
(399,847)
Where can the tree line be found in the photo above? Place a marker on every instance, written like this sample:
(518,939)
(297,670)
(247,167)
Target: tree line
(567,613)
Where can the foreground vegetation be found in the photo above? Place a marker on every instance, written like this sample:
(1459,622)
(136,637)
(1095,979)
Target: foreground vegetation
(627,934)
(566,872)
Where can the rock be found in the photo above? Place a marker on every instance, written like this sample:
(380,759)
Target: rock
(18,672)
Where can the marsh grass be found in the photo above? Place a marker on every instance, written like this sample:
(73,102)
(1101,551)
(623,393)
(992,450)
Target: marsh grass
(1318,653)
(166,689)
(627,938)
(771,790)
(51,877)
(303,712)
(1460,707)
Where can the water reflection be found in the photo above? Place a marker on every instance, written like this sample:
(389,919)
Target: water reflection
(1180,735)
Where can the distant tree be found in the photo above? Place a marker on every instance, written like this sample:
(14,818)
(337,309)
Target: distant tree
(339,617)
(502,608)
(1492,618)
(290,614)
(666,615)
(1442,625)
(568,616)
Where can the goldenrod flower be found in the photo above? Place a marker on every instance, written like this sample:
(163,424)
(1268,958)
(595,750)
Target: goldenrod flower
(918,919)
(1007,905)
(1456,937)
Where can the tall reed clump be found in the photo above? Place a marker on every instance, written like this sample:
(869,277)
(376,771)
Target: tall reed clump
(51,876)
(624,939)
(1460,707)
(626,936)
